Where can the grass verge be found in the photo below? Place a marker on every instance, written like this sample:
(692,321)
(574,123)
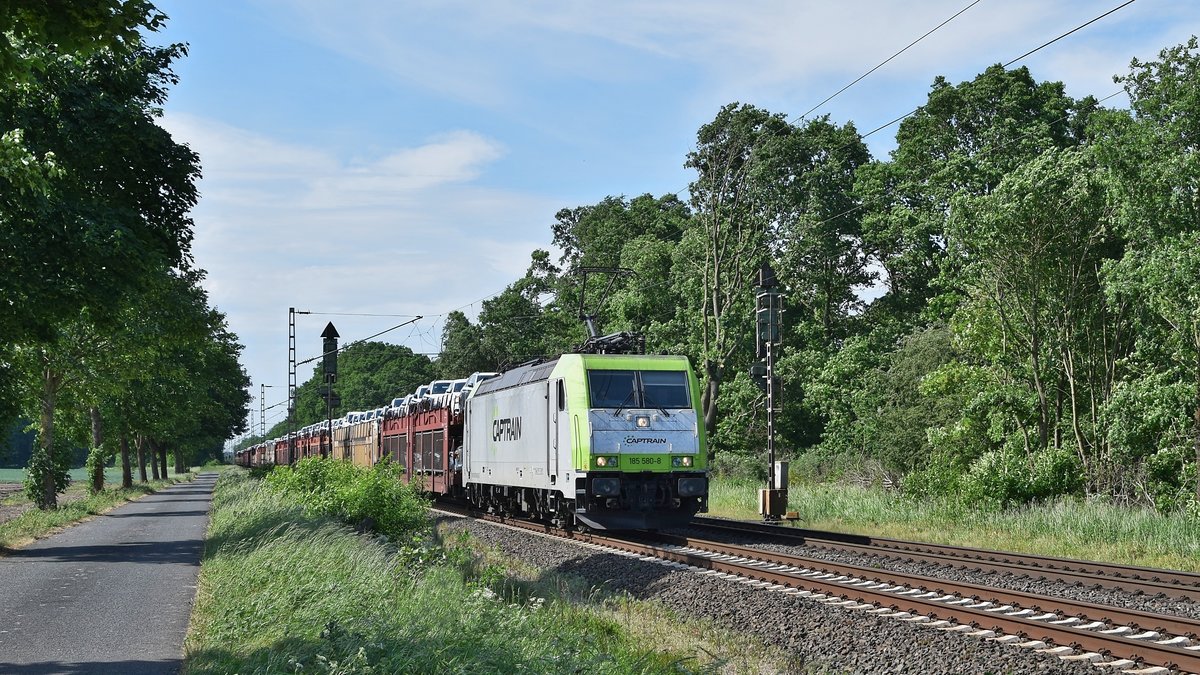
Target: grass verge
(284,591)
(1070,528)
(74,505)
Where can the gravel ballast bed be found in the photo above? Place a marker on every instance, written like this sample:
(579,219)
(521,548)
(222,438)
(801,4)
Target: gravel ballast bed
(825,638)
(897,563)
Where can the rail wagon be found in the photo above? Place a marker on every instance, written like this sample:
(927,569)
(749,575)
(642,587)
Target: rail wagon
(364,442)
(427,443)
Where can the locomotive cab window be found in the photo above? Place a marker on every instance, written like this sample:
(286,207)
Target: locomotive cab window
(665,389)
(612,388)
(638,389)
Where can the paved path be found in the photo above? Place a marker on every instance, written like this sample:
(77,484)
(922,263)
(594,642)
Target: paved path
(112,595)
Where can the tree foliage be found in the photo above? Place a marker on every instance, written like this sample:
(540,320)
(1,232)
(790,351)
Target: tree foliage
(370,374)
(1004,308)
(102,308)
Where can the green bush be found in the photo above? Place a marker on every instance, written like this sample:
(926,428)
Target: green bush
(40,466)
(97,459)
(1002,477)
(1056,473)
(375,498)
(942,476)
(1171,478)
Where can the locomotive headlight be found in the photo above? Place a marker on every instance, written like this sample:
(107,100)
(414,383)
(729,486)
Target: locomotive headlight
(642,421)
(606,461)
(692,487)
(681,461)
(606,487)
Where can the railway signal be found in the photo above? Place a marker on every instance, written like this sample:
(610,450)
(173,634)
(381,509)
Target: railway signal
(768,307)
(329,352)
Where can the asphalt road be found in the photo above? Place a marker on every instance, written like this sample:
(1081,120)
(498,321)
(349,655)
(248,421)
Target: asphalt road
(112,595)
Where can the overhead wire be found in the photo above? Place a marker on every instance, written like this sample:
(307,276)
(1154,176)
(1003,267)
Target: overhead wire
(1006,65)
(353,314)
(1081,26)
(994,148)
(883,63)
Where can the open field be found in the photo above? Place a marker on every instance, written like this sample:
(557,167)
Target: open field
(111,475)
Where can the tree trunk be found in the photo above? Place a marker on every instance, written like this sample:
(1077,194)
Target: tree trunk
(162,459)
(97,443)
(50,386)
(180,464)
(708,397)
(126,468)
(141,458)
(154,459)
(1081,443)
(1035,366)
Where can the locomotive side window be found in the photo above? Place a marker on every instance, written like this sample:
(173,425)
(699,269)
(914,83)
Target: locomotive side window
(612,388)
(666,389)
(562,396)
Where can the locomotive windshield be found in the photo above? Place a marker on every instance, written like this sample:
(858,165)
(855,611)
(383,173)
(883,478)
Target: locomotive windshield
(639,389)
(665,389)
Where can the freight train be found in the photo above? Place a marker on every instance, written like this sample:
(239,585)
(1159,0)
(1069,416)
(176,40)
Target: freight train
(597,440)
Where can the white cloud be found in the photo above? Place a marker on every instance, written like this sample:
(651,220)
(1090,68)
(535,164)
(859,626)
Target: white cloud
(483,52)
(281,225)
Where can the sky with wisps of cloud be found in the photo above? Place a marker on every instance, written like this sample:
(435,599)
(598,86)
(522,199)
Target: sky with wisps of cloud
(405,157)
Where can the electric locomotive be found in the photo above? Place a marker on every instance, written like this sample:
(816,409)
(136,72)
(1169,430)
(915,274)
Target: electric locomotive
(608,441)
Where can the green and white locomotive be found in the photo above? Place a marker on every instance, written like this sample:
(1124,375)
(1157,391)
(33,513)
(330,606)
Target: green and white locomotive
(607,441)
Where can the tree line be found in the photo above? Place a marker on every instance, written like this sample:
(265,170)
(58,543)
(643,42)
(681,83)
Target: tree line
(111,341)
(1005,309)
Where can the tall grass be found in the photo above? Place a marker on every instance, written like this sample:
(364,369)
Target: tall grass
(1087,529)
(285,590)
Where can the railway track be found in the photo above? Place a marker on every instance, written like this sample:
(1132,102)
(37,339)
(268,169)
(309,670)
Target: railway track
(1165,583)
(1074,630)
(1115,638)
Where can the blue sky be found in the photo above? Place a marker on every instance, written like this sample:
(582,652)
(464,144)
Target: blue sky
(404,157)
